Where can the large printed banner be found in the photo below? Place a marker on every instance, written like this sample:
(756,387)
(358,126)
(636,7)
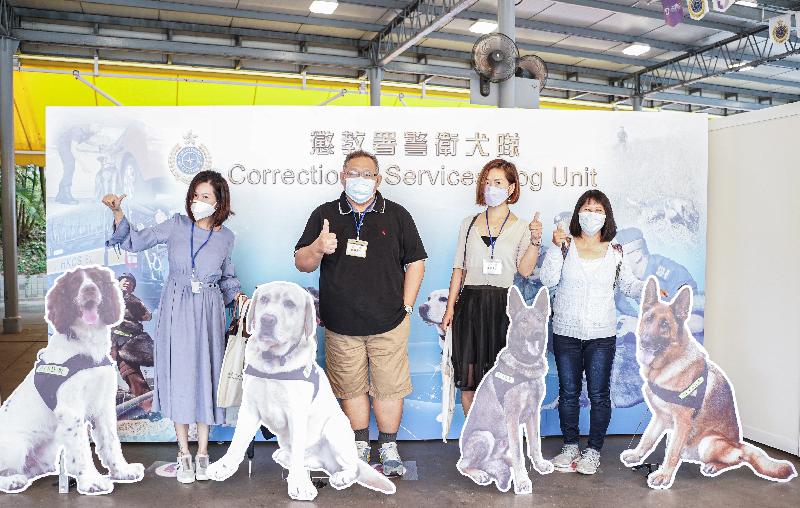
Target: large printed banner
(282,162)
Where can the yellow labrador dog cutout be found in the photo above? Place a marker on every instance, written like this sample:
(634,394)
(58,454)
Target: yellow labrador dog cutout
(690,398)
(287,391)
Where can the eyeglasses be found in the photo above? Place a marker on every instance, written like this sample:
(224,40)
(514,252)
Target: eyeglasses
(356,174)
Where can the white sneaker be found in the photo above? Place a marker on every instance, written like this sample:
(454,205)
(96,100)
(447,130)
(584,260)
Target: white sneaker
(565,460)
(185,472)
(589,461)
(390,460)
(363,450)
(201,464)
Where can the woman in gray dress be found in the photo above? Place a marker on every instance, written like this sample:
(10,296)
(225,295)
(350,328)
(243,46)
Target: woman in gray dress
(189,336)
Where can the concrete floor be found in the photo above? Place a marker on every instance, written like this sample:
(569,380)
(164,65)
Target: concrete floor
(439,483)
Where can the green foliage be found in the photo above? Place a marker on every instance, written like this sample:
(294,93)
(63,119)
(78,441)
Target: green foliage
(31,219)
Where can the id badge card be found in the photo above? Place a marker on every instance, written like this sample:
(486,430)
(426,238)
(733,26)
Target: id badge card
(195,286)
(492,267)
(356,248)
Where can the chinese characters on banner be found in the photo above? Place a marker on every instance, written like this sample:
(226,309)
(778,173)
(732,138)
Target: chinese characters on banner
(416,144)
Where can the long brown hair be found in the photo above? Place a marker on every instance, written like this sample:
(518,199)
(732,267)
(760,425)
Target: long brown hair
(221,191)
(512,176)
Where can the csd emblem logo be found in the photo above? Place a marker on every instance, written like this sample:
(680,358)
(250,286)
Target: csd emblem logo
(780,32)
(188,159)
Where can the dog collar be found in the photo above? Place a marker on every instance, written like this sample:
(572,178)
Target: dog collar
(530,370)
(692,396)
(268,356)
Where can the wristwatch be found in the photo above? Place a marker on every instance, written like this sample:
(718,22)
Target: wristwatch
(409,309)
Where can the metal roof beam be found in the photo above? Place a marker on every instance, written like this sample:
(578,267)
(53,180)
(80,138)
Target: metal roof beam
(239,13)
(233,52)
(187,48)
(655,14)
(577,86)
(625,60)
(157,24)
(747,17)
(372,27)
(94,19)
(618,76)
(725,57)
(412,25)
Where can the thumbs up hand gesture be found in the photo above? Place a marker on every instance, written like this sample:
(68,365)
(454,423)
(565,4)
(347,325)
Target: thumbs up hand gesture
(326,241)
(536,229)
(113,201)
(559,236)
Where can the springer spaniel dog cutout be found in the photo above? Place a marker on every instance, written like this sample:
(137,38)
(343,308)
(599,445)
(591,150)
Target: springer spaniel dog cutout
(71,390)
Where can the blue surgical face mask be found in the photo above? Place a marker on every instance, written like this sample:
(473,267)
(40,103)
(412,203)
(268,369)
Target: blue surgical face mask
(359,189)
(591,222)
(494,196)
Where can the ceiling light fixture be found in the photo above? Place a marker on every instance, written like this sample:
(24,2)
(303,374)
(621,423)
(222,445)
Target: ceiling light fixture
(323,7)
(636,49)
(483,27)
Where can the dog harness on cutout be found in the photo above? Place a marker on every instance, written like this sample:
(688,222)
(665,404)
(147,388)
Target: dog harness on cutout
(48,377)
(691,397)
(503,382)
(510,372)
(292,375)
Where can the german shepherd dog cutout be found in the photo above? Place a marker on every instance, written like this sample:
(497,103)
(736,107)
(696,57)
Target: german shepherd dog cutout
(690,398)
(508,398)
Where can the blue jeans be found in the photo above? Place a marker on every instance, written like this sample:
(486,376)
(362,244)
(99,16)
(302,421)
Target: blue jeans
(573,358)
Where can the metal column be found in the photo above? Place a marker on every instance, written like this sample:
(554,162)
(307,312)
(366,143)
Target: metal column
(375,75)
(12,321)
(636,98)
(506,25)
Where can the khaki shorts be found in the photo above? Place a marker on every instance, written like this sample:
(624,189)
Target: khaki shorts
(383,358)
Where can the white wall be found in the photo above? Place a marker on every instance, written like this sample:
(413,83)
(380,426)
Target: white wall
(752,327)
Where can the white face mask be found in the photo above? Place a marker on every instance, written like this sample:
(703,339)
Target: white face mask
(201,210)
(591,222)
(359,189)
(494,196)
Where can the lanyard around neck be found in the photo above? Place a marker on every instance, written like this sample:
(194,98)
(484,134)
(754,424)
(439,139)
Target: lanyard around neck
(493,240)
(358,218)
(191,245)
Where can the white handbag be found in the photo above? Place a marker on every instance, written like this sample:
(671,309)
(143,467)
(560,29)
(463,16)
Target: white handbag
(229,391)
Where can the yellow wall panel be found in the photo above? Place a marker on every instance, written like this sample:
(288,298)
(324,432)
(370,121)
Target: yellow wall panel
(138,92)
(213,94)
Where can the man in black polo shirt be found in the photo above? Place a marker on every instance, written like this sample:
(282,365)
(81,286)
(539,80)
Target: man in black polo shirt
(371,262)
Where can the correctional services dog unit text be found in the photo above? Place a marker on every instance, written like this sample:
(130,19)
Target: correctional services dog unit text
(562,176)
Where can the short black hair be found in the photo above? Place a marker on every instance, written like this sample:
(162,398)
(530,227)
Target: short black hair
(609,229)
(361,153)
